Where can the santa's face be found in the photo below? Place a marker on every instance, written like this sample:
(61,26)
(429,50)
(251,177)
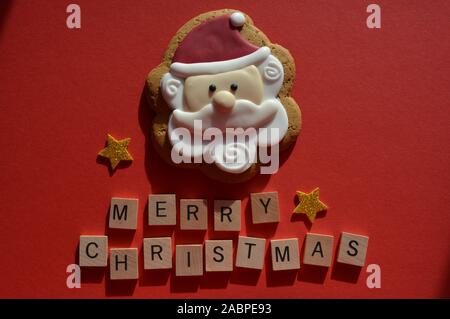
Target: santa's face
(233,99)
(223,89)
(223,95)
(243,99)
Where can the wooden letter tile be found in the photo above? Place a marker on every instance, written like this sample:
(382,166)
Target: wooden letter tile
(193,214)
(285,254)
(265,208)
(227,215)
(352,249)
(162,209)
(93,251)
(158,253)
(123,263)
(123,213)
(250,252)
(189,260)
(318,250)
(219,255)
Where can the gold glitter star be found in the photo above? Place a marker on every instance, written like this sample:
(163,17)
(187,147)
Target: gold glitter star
(116,151)
(310,204)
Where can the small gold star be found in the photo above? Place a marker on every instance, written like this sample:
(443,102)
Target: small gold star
(116,151)
(310,204)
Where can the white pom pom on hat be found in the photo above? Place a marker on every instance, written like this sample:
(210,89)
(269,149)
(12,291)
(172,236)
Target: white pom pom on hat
(237,19)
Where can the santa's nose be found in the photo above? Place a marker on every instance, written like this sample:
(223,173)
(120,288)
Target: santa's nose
(223,101)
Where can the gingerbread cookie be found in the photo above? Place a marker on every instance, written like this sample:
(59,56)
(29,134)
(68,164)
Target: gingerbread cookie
(222,98)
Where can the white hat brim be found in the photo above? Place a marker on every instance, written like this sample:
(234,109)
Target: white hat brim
(184,70)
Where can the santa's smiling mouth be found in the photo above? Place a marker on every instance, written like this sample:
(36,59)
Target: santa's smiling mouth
(244,114)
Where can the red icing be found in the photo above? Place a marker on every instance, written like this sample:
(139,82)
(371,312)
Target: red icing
(213,40)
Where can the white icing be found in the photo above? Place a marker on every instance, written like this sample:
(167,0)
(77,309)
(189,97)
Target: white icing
(237,19)
(246,115)
(171,87)
(272,71)
(270,114)
(184,70)
(272,83)
(234,158)
(172,90)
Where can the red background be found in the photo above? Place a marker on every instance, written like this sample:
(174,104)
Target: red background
(375,139)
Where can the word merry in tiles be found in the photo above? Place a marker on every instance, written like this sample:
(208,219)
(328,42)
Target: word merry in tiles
(162,210)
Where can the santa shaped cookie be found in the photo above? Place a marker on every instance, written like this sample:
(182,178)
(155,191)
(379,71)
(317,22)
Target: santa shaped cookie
(222,98)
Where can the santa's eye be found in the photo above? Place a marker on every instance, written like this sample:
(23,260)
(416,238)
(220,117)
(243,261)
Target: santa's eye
(212,88)
(234,87)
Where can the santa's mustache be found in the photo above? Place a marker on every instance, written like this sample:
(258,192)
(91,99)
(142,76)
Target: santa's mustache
(244,114)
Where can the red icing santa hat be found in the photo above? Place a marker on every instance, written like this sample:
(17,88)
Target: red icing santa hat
(216,46)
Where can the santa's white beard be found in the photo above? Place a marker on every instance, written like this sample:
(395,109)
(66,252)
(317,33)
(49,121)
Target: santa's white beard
(230,140)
